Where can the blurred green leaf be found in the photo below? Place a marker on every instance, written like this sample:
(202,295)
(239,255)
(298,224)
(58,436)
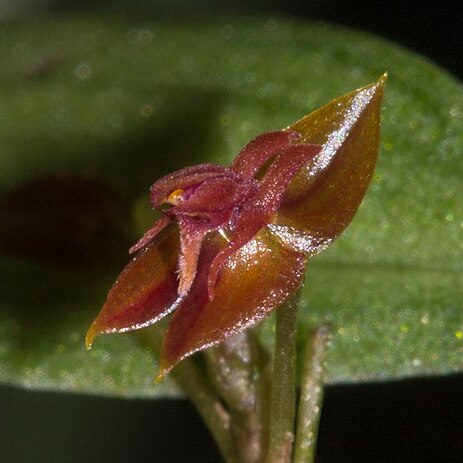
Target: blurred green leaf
(126,101)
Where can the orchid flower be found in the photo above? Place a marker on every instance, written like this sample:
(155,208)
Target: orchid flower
(232,243)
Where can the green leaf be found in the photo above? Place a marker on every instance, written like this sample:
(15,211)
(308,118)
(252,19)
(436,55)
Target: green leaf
(126,101)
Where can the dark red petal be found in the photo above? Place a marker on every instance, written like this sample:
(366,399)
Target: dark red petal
(259,150)
(260,210)
(323,198)
(144,292)
(150,234)
(184,178)
(254,281)
(192,233)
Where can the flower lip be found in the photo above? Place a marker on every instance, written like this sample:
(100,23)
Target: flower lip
(209,196)
(184,179)
(215,196)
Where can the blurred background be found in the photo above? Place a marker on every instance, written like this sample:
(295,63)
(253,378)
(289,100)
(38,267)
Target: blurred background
(433,30)
(418,420)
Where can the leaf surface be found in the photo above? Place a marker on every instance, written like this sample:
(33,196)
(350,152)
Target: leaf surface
(124,102)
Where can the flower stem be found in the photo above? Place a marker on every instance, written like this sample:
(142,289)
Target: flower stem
(283,393)
(194,383)
(308,414)
(208,405)
(238,368)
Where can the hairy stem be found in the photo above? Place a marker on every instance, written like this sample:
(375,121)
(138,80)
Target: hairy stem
(308,414)
(240,375)
(283,392)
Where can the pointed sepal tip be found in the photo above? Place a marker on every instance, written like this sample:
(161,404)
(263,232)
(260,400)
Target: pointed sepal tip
(92,333)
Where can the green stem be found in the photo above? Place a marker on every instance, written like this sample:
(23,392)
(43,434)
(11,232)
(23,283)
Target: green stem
(194,383)
(283,394)
(308,415)
(209,406)
(239,374)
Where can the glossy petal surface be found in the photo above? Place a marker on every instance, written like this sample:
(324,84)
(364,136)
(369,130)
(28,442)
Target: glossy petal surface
(243,296)
(324,197)
(263,206)
(144,292)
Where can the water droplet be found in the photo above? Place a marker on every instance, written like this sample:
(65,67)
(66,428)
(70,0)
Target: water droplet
(140,36)
(227,32)
(83,71)
(455,112)
(404,328)
(424,319)
(225,120)
(271,25)
(388,146)
(146,110)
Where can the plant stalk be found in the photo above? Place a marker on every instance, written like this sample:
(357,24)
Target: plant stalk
(283,392)
(195,385)
(239,368)
(308,415)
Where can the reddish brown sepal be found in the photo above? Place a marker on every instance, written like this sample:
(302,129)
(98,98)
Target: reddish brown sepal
(144,292)
(324,197)
(254,281)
